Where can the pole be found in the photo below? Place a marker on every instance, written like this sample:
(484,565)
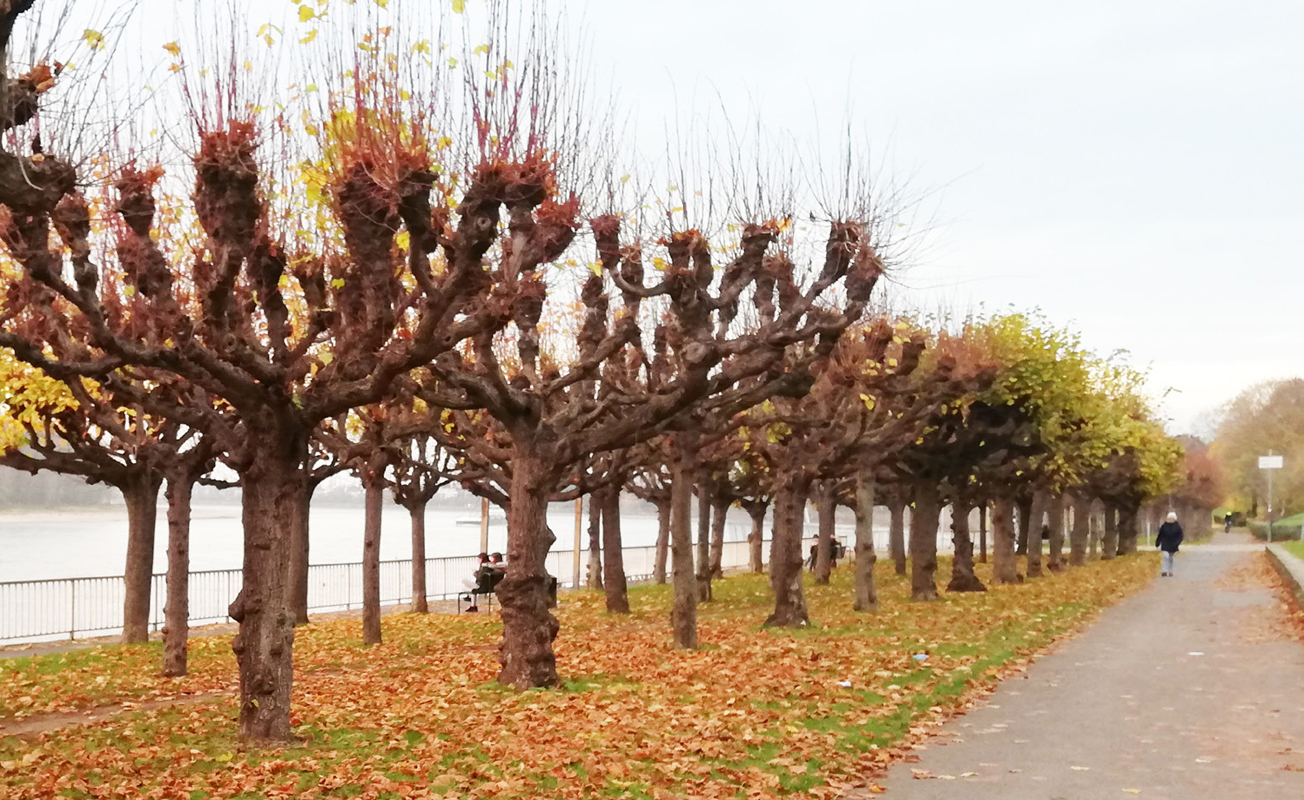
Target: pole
(575,553)
(1269,503)
(484,524)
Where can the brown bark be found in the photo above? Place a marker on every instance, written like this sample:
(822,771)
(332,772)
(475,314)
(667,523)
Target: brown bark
(1023,507)
(866,593)
(963,578)
(896,534)
(1109,542)
(1005,563)
(595,545)
(1094,525)
(373,484)
(264,645)
(787,556)
(141,496)
(1055,559)
(1037,511)
(663,541)
(682,470)
(826,515)
(705,500)
(1079,532)
(613,553)
(529,628)
(176,611)
(1127,528)
(299,551)
(923,541)
(719,516)
(756,539)
(418,514)
(982,532)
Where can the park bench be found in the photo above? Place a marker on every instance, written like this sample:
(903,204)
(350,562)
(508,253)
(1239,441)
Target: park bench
(486,579)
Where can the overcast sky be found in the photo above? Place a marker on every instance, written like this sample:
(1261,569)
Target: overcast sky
(1135,170)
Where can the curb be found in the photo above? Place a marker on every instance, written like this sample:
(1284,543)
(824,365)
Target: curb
(1290,568)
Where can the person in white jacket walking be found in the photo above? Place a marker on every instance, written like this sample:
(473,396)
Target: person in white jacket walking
(1168,540)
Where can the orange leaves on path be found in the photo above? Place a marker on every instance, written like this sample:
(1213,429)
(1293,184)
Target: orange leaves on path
(754,713)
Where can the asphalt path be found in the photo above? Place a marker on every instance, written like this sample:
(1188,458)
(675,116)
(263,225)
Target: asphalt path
(1192,689)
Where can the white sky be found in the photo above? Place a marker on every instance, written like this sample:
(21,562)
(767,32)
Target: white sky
(1134,170)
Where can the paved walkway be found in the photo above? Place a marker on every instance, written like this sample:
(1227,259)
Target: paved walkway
(1190,690)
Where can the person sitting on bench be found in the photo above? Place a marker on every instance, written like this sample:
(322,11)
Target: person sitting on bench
(482,581)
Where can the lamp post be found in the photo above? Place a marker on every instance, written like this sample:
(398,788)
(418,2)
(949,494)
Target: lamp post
(1269,463)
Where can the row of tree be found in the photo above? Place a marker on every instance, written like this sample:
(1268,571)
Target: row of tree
(403,302)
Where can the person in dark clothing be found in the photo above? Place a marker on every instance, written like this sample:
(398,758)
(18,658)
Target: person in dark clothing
(1168,540)
(1227,522)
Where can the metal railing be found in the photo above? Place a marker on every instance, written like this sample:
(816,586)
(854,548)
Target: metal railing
(60,608)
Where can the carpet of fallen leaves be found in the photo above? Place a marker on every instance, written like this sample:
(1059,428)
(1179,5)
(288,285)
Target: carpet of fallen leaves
(753,713)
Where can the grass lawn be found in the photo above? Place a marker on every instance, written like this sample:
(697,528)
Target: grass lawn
(753,713)
(1295,548)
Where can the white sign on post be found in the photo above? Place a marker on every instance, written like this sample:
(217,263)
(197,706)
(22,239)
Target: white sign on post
(1269,463)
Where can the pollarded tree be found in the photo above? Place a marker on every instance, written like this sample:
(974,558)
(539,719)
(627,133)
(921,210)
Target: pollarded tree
(419,468)
(120,448)
(223,317)
(866,403)
(649,481)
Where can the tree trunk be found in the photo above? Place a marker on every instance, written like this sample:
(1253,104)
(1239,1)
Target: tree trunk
(264,645)
(1024,507)
(1109,542)
(141,497)
(756,539)
(683,468)
(1034,538)
(963,578)
(1127,528)
(826,514)
(663,541)
(595,545)
(613,553)
(719,516)
(176,611)
(786,555)
(1055,561)
(982,532)
(896,534)
(705,499)
(866,594)
(1079,532)
(418,514)
(373,484)
(529,627)
(1005,563)
(299,551)
(923,541)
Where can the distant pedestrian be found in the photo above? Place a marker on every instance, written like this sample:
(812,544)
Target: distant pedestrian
(1168,540)
(1227,522)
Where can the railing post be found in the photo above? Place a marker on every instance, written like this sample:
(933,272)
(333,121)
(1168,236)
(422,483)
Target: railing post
(72,614)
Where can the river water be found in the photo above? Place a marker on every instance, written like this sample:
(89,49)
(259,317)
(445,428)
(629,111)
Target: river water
(80,543)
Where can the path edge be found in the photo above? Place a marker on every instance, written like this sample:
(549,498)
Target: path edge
(1290,568)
